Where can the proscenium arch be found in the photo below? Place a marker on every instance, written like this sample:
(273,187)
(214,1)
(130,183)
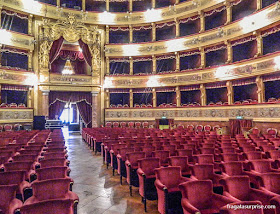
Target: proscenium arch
(71,31)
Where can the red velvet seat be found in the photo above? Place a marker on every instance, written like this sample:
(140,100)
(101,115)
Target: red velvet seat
(23,189)
(167,185)
(186,152)
(198,197)
(52,189)
(53,162)
(131,165)
(18,166)
(181,161)
(238,188)
(53,155)
(121,158)
(49,207)
(232,168)
(163,157)
(8,201)
(146,175)
(233,208)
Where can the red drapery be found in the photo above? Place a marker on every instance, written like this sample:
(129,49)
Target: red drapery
(58,65)
(86,51)
(237,125)
(57,101)
(55,49)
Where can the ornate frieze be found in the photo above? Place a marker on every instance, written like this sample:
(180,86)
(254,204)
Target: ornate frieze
(16,77)
(257,112)
(49,11)
(18,40)
(257,66)
(16,115)
(219,35)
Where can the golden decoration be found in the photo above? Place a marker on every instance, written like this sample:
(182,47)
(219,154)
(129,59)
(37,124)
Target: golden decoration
(71,31)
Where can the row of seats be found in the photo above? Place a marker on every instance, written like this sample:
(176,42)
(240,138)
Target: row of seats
(10,127)
(165,160)
(12,105)
(34,173)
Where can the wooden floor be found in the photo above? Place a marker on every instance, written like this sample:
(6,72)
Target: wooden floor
(99,191)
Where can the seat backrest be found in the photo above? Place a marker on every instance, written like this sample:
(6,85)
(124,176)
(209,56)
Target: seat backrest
(133,157)
(52,162)
(181,161)
(60,206)
(25,157)
(51,173)
(230,157)
(275,155)
(261,166)
(169,176)
(148,165)
(271,181)
(13,177)
(198,193)
(238,187)
(20,165)
(7,193)
(205,158)
(254,155)
(52,155)
(233,168)
(203,171)
(207,150)
(51,188)
(162,155)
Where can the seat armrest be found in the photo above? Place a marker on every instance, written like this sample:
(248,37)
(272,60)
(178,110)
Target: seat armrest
(160,185)
(140,172)
(189,207)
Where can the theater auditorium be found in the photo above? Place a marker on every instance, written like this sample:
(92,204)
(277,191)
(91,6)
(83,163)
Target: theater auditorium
(140,106)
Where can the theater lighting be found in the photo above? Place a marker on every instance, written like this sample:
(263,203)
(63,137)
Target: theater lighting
(31,5)
(107,18)
(277,62)
(131,50)
(152,15)
(223,72)
(175,45)
(68,69)
(5,36)
(108,83)
(31,80)
(254,22)
(153,81)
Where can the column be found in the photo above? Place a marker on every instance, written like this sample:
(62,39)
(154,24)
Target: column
(229,12)
(29,98)
(259,44)
(154,97)
(153,3)
(229,92)
(261,89)
(107,5)
(229,52)
(203,98)
(177,24)
(202,58)
(1,45)
(259,4)
(177,1)
(178,96)
(45,103)
(177,58)
(107,98)
(130,65)
(130,98)
(154,60)
(84,5)
(107,65)
(202,21)
(107,40)
(30,19)
(1,14)
(94,109)
(58,3)
(130,5)
(0,89)
(130,34)
(30,54)
(154,35)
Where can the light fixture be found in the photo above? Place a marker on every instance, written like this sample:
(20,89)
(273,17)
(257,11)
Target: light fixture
(68,69)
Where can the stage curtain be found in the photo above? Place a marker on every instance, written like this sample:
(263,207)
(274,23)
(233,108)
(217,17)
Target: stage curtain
(79,67)
(86,51)
(56,109)
(85,111)
(55,49)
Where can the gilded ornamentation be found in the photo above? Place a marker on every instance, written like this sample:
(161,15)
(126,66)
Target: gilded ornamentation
(71,30)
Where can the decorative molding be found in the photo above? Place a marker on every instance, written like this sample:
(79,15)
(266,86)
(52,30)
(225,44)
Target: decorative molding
(16,115)
(188,8)
(15,77)
(257,112)
(70,79)
(204,39)
(247,68)
(18,40)
(70,88)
